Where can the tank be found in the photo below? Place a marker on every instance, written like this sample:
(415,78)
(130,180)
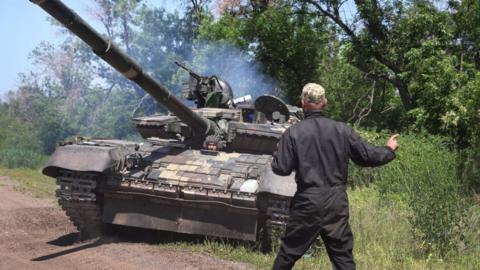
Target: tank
(203,170)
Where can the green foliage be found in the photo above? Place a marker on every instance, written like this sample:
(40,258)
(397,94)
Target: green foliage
(295,62)
(288,44)
(228,29)
(434,82)
(382,240)
(424,176)
(42,115)
(467,19)
(463,119)
(18,153)
(339,78)
(355,99)
(471,233)
(469,171)
(19,147)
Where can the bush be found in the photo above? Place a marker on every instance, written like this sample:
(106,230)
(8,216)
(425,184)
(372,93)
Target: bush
(21,158)
(19,147)
(466,127)
(469,170)
(424,176)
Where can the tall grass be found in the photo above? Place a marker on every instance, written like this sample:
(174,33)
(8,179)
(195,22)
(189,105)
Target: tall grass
(19,146)
(21,157)
(469,169)
(383,240)
(424,177)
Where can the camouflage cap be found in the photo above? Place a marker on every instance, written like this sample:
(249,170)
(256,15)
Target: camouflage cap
(313,93)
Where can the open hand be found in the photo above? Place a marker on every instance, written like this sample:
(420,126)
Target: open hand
(392,142)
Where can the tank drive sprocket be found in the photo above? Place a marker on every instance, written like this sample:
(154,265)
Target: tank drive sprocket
(76,195)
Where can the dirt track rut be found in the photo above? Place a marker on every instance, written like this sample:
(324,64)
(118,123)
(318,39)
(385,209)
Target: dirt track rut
(36,234)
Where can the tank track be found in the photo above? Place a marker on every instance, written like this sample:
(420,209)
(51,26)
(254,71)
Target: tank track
(278,210)
(76,195)
(275,223)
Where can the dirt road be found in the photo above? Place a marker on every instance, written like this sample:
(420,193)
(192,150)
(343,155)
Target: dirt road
(35,234)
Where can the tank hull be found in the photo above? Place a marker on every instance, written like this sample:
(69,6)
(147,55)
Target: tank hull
(169,189)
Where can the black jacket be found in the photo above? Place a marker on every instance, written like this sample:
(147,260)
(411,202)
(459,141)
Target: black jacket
(319,148)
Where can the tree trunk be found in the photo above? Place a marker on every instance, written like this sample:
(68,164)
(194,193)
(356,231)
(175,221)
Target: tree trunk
(404,92)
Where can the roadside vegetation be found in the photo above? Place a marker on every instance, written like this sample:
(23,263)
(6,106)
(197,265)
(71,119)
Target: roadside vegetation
(383,240)
(407,215)
(408,67)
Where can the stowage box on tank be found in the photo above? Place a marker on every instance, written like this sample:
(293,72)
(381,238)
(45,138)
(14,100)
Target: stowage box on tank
(199,171)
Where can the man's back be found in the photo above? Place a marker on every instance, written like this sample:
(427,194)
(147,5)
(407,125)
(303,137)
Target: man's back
(324,147)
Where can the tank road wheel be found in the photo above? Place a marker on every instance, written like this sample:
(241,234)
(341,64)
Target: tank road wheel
(77,197)
(275,223)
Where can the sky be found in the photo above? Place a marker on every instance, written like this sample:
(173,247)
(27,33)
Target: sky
(23,25)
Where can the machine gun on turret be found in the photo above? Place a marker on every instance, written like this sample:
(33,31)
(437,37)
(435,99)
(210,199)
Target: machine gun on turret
(207,91)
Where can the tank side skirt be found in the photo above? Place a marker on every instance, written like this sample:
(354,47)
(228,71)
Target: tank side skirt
(172,214)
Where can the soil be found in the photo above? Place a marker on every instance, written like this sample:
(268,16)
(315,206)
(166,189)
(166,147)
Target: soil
(36,234)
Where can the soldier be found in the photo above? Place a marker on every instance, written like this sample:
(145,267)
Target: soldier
(318,149)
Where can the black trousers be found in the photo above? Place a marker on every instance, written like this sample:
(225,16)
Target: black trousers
(314,212)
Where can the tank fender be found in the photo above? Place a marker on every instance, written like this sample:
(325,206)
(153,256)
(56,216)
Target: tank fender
(85,158)
(276,184)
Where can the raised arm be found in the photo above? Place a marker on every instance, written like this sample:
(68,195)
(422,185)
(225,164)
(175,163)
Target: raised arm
(367,155)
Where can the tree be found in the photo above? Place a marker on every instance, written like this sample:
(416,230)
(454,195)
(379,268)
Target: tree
(466,15)
(383,32)
(73,92)
(287,44)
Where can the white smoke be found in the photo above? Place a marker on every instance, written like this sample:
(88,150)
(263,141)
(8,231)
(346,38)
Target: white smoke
(238,68)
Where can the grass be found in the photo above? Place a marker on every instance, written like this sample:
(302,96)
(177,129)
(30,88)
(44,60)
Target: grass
(383,240)
(383,234)
(31,181)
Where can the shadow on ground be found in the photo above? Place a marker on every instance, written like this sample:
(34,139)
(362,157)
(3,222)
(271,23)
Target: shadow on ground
(122,234)
(139,235)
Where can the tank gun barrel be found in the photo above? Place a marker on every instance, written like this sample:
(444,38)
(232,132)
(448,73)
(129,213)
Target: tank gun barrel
(104,48)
